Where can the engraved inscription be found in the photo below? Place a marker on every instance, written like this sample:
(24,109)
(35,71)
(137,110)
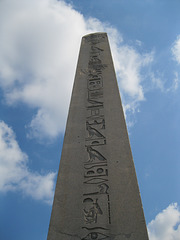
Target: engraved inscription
(94,103)
(95,181)
(92,132)
(101,189)
(94,155)
(98,93)
(96,121)
(95,39)
(91,210)
(96,235)
(95,112)
(95,84)
(96,200)
(95,228)
(96,49)
(96,171)
(96,142)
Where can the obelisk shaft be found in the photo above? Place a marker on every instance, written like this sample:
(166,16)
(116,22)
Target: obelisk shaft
(97,194)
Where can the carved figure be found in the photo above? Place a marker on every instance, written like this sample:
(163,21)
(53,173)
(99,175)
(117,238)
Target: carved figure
(93,154)
(96,122)
(95,235)
(103,188)
(93,132)
(91,214)
(96,49)
(93,73)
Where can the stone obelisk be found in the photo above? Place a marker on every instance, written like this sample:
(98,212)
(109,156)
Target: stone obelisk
(97,194)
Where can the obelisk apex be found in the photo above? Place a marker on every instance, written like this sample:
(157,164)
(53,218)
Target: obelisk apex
(97,194)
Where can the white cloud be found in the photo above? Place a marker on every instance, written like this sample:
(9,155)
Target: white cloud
(166,224)
(14,172)
(176,49)
(129,64)
(40,41)
(39,54)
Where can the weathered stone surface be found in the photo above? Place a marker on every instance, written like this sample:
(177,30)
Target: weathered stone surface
(97,195)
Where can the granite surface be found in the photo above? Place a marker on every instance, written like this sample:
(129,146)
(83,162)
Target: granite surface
(97,194)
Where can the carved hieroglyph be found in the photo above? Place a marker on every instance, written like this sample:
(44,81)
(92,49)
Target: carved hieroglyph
(97,195)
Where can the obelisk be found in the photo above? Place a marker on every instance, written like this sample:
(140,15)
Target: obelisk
(97,194)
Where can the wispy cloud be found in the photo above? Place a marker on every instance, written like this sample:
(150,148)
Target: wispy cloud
(159,82)
(176,49)
(129,64)
(39,49)
(14,172)
(166,224)
(175,83)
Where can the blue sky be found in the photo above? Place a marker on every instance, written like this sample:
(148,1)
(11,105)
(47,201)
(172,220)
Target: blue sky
(39,45)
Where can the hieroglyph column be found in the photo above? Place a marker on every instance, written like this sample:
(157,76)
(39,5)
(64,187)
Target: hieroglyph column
(97,194)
